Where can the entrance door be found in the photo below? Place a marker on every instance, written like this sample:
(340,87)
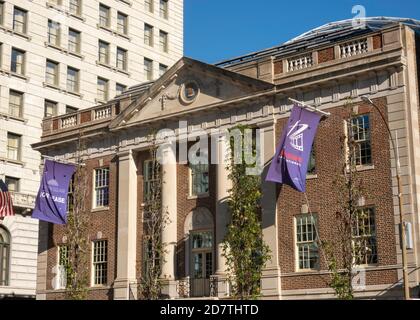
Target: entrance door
(202,264)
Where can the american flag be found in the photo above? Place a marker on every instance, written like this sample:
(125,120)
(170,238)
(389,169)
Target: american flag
(6,206)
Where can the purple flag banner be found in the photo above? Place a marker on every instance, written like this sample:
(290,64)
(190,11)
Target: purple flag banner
(290,163)
(51,202)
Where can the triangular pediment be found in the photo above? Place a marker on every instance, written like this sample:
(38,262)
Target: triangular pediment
(189,85)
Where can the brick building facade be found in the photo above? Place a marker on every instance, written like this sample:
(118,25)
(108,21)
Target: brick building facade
(324,68)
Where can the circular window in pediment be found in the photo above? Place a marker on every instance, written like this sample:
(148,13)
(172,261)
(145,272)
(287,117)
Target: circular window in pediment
(189,92)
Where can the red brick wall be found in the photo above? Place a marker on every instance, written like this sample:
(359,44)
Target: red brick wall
(278,67)
(104,221)
(326,55)
(377,41)
(323,199)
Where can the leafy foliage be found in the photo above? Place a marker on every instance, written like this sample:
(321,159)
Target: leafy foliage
(76,232)
(156,220)
(244,248)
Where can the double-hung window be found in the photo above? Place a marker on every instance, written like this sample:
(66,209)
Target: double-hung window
(104,15)
(100,262)
(50,108)
(63,264)
(122,23)
(199,177)
(121,59)
(13,146)
(364,237)
(74,41)
(51,73)
(53,33)
(306,242)
(101,191)
(18,61)
(16,103)
(20,20)
(72,79)
(360,133)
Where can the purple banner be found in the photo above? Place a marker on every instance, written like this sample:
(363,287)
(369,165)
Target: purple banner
(290,163)
(51,202)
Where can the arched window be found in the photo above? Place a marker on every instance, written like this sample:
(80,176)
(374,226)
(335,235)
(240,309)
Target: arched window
(4,256)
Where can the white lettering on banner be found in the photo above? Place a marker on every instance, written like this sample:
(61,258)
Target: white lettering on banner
(54,198)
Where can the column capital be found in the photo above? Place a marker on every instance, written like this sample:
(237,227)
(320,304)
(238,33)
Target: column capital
(125,154)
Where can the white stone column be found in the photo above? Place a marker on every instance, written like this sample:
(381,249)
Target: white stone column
(127,226)
(270,282)
(169,206)
(223,184)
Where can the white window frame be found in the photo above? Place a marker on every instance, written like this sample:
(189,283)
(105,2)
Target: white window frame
(101,204)
(75,4)
(162,69)
(164,45)
(96,263)
(164,9)
(103,54)
(298,244)
(148,73)
(122,86)
(149,6)
(149,31)
(8,179)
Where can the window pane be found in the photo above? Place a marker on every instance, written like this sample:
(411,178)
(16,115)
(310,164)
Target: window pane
(74,7)
(102,89)
(148,35)
(53,33)
(102,187)
(163,41)
(164,9)
(122,23)
(364,237)
(148,5)
(13,146)
(162,69)
(199,179)
(74,41)
(16,104)
(72,80)
(19,20)
(51,75)
(121,59)
(17,63)
(360,133)
(100,261)
(306,241)
(12,184)
(148,69)
(104,15)
(120,88)
(103,52)
(50,108)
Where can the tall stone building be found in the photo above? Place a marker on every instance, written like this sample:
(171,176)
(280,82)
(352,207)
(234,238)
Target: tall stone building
(324,68)
(58,57)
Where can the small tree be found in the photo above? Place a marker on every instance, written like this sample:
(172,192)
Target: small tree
(76,232)
(244,248)
(342,255)
(155,220)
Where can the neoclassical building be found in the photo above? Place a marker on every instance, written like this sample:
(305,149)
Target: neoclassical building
(324,68)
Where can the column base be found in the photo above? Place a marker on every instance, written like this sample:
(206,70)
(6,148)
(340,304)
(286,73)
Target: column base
(169,289)
(271,284)
(125,289)
(221,287)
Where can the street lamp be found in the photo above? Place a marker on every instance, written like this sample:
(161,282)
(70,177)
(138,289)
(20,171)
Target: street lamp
(403,235)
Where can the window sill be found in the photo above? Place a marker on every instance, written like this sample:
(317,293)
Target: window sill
(99,209)
(122,71)
(60,8)
(18,162)
(9,116)
(102,64)
(16,33)
(122,35)
(362,168)
(63,50)
(20,76)
(307,271)
(98,101)
(52,86)
(74,93)
(311,176)
(129,3)
(198,196)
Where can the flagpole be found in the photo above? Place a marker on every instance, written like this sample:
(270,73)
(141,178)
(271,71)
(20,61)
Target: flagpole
(306,106)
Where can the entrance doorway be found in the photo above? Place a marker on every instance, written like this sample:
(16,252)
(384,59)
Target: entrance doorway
(201,263)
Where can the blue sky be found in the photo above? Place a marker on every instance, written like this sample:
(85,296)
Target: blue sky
(221,29)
